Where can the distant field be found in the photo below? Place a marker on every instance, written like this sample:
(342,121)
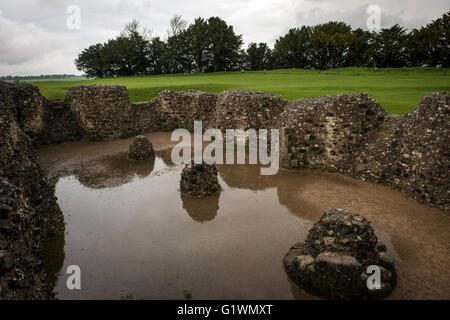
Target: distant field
(397,90)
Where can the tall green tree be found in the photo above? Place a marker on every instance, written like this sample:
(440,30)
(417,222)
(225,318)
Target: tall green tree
(359,49)
(178,53)
(390,47)
(92,61)
(224,45)
(197,34)
(430,44)
(157,59)
(135,42)
(293,49)
(330,44)
(258,56)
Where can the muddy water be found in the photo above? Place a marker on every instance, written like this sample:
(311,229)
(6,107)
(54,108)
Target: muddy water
(134,236)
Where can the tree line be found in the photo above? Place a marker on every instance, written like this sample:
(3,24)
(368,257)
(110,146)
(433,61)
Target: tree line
(210,45)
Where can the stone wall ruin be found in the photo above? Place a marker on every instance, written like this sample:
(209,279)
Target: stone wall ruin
(349,133)
(352,134)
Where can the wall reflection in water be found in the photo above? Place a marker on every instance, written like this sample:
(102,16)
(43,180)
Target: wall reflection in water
(115,170)
(53,257)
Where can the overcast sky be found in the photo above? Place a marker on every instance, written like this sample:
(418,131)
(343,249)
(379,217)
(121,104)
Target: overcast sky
(35,39)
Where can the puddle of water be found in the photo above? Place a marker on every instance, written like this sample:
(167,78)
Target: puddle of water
(134,236)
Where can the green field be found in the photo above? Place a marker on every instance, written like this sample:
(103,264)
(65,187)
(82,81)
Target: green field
(397,90)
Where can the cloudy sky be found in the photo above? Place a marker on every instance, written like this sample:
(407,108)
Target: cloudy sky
(35,39)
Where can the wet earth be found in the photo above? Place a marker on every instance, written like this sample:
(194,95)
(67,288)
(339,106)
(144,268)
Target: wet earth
(134,236)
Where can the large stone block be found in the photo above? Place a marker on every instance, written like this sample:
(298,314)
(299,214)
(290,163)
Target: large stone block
(333,261)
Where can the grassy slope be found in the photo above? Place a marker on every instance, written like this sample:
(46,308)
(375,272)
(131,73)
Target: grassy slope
(397,90)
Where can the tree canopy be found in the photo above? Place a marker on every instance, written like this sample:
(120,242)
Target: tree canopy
(210,45)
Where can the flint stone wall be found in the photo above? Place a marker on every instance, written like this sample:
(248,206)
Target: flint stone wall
(147,117)
(237,109)
(102,111)
(352,134)
(26,105)
(181,109)
(29,212)
(348,133)
(412,152)
(328,131)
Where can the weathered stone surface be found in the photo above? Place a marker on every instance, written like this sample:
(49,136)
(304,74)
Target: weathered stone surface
(237,109)
(181,109)
(29,211)
(328,131)
(199,180)
(43,121)
(102,111)
(147,117)
(60,124)
(332,262)
(412,152)
(27,106)
(141,149)
(352,134)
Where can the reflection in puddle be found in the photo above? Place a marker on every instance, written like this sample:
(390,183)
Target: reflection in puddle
(133,234)
(201,209)
(113,171)
(54,257)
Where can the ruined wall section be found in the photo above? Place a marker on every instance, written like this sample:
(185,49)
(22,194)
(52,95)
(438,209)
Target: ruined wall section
(59,124)
(27,105)
(354,135)
(181,109)
(328,131)
(102,111)
(237,109)
(349,133)
(147,117)
(29,212)
(412,152)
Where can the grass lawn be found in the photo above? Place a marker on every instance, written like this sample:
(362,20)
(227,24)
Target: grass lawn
(397,90)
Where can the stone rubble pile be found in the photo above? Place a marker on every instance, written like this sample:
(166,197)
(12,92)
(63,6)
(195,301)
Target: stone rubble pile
(141,149)
(199,180)
(332,263)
